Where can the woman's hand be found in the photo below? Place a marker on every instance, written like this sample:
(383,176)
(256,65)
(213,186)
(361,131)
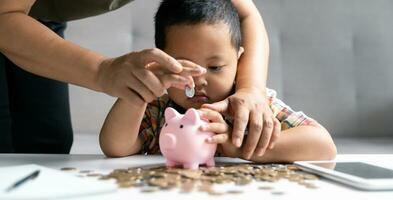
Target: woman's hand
(145,75)
(249,107)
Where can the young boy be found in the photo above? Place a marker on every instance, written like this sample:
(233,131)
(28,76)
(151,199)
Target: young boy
(207,32)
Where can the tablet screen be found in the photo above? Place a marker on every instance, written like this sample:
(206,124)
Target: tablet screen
(359,169)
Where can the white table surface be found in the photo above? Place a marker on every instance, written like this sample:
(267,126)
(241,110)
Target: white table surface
(326,189)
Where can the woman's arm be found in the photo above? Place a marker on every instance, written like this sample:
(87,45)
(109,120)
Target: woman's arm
(119,134)
(38,50)
(35,48)
(249,106)
(253,65)
(308,142)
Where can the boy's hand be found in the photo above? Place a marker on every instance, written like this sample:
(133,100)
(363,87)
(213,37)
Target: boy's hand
(216,125)
(250,108)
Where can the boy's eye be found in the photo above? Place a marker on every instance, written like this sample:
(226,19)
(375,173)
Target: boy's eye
(215,68)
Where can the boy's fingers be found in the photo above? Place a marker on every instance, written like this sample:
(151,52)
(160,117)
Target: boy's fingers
(215,127)
(218,139)
(266,135)
(240,121)
(254,134)
(211,115)
(275,134)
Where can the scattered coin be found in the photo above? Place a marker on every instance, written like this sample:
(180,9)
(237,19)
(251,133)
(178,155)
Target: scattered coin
(190,91)
(85,171)
(234,191)
(125,184)
(149,190)
(94,175)
(68,169)
(265,187)
(278,192)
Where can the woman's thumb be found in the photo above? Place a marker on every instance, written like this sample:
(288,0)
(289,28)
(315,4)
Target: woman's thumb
(221,106)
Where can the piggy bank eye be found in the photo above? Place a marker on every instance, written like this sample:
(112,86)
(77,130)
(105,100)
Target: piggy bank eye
(166,124)
(181,125)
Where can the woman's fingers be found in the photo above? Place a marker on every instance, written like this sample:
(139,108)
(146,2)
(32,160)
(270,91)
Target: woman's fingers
(137,86)
(131,94)
(190,69)
(254,134)
(155,55)
(173,80)
(240,121)
(150,80)
(266,135)
(275,134)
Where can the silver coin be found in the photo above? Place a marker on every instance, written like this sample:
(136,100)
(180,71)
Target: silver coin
(189,91)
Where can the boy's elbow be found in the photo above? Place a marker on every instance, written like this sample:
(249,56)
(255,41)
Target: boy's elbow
(118,152)
(331,151)
(113,150)
(328,150)
(114,153)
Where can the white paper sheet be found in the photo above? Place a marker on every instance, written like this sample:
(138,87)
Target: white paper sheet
(50,184)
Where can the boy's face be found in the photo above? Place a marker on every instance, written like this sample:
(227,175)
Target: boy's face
(208,45)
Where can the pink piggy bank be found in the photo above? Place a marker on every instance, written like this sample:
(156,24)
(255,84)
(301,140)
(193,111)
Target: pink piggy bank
(183,143)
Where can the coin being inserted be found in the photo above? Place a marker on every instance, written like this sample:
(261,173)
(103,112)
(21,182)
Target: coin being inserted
(189,91)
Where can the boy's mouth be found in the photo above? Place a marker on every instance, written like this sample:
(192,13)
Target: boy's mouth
(199,97)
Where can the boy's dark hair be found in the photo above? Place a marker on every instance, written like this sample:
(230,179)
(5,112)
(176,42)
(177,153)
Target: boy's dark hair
(190,12)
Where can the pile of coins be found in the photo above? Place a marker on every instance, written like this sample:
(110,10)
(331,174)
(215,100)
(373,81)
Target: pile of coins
(203,179)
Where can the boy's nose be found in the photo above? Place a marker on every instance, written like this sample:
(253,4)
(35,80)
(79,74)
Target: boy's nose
(200,81)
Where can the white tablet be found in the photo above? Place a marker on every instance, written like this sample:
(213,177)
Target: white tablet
(357,174)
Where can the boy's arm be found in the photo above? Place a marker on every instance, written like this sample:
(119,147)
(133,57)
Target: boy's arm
(119,134)
(305,142)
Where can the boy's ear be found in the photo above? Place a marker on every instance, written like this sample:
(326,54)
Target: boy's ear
(240,52)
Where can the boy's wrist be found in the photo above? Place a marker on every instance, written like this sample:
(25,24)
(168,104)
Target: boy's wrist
(136,103)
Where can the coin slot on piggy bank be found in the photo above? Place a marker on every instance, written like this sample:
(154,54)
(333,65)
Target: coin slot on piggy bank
(183,143)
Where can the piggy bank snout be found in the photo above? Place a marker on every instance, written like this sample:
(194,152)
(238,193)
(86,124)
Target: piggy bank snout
(168,141)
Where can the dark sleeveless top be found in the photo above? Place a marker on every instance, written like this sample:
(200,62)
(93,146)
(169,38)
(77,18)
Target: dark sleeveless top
(66,10)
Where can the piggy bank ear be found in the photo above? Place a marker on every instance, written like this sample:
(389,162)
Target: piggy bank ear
(192,116)
(170,113)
